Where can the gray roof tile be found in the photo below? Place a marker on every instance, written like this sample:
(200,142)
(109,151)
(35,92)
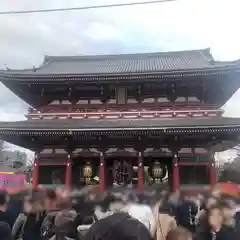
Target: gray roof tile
(125,63)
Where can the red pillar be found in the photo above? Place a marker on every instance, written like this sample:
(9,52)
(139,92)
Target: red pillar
(213,172)
(175,173)
(102,172)
(68,177)
(35,170)
(140,172)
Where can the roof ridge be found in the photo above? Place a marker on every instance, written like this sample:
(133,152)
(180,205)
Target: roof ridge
(49,58)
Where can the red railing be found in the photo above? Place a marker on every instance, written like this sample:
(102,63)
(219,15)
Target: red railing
(54,108)
(203,113)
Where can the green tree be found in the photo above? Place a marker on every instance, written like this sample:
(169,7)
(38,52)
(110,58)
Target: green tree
(29,170)
(230,171)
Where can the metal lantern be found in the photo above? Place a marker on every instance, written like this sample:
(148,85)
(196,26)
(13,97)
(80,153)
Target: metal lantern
(122,172)
(87,172)
(157,170)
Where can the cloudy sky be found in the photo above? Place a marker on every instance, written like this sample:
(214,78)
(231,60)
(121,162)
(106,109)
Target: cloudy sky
(178,25)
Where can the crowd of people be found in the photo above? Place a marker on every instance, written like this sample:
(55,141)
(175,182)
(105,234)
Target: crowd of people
(124,214)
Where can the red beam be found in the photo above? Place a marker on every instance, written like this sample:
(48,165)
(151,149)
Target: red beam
(190,154)
(52,164)
(53,155)
(187,164)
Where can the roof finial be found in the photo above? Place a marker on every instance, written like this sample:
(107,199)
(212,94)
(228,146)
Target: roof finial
(6,67)
(46,58)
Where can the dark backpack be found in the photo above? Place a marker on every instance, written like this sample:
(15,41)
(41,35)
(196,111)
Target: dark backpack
(5,231)
(18,235)
(237,220)
(47,228)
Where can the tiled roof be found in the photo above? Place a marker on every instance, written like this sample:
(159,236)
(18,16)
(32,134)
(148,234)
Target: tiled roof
(18,132)
(125,63)
(119,125)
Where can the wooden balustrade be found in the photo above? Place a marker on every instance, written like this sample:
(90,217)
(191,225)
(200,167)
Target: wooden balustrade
(59,108)
(202,113)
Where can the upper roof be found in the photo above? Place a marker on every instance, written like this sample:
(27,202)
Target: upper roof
(125,64)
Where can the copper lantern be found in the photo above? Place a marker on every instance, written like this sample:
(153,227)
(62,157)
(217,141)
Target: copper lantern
(87,172)
(157,171)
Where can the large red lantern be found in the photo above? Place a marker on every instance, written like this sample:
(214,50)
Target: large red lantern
(228,188)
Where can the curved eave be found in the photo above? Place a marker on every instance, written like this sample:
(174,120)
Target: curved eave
(29,134)
(36,77)
(30,139)
(134,131)
(121,125)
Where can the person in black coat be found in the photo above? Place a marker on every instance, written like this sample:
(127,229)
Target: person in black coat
(15,206)
(28,224)
(119,226)
(186,213)
(5,231)
(4,215)
(213,227)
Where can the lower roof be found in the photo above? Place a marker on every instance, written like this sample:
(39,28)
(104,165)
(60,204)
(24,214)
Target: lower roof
(54,127)
(35,134)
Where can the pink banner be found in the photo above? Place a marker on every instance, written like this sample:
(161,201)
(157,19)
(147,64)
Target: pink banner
(12,180)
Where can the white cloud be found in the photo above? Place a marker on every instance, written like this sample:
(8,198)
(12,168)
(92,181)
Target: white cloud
(99,32)
(179,25)
(226,156)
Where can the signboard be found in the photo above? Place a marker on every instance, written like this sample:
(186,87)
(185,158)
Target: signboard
(12,181)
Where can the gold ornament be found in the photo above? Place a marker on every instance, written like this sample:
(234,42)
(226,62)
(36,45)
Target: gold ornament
(87,172)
